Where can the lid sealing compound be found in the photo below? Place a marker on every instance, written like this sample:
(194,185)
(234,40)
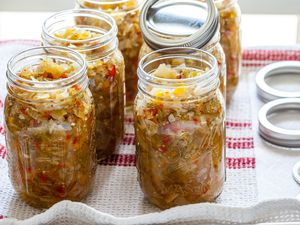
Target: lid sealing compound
(178,23)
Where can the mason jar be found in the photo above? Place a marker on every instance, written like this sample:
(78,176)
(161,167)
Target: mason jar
(203,34)
(99,44)
(179,125)
(50,126)
(126,13)
(230,20)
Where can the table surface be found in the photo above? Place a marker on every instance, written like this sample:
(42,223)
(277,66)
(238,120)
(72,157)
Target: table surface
(274,166)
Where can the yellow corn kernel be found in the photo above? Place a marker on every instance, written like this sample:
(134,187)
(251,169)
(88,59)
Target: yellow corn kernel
(194,74)
(179,91)
(131,4)
(83,35)
(163,94)
(160,94)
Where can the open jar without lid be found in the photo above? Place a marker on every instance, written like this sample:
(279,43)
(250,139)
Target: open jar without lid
(94,34)
(49,122)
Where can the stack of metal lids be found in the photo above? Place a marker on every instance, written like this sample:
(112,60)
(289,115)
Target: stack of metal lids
(278,84)
(279,120)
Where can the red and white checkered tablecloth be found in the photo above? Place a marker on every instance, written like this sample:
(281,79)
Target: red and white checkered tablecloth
(116,189)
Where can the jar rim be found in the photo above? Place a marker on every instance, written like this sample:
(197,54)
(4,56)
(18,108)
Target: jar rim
(110,2)
(95,14)
(198,39)
(78,77)
(209,75)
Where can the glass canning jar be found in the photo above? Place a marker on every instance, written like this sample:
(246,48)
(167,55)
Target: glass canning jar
(179,124)
(126,13)
(99,44)
(158,37)
(230,20)
(50,126)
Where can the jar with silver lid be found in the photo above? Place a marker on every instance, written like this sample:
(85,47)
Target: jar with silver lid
(230,23)
(195,24)
(126,14)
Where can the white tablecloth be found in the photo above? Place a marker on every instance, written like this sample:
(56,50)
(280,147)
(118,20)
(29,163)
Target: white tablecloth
(273,166)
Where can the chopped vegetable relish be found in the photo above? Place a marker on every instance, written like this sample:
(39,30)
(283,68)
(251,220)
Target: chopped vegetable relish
(179,139)
(106,75)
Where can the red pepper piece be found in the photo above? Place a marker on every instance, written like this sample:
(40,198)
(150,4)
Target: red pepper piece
(68,136)
(153,111)
(61,190)
(75,140)
(49,76)
(76,87)
(166,140)
(23,111)
(43,178)
(196,121)
(112,73)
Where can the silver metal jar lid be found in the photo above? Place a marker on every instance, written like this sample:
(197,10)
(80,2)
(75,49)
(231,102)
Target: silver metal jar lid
(296,172)
(269,93)
(178,23)
(285,134)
